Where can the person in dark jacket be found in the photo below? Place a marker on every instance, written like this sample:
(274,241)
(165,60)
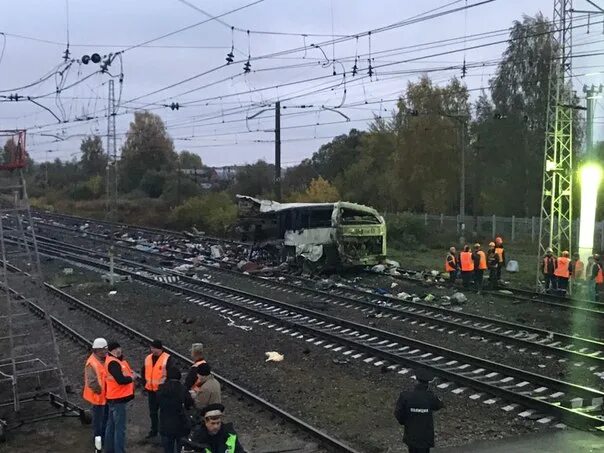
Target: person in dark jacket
(492,264)
(548,269)
(414,410)
(157,353)
(173,400)
(197,355)
(213,436)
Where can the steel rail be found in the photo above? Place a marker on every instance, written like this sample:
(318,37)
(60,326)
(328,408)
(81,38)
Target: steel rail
(290,317)
(549,341)
(325,439)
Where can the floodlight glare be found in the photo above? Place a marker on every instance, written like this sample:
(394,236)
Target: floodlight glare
(591,175)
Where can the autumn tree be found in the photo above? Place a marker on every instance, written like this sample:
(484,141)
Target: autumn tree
(148,148)
(189,160)
(93,159)
(319,191)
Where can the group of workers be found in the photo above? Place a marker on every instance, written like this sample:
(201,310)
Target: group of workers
(586,281)
(472,264)
(188,417)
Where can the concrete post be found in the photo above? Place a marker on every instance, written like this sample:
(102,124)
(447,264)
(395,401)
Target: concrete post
(513,228)
(426,219)
(533,229)
(494,221)
(442,220)
(458,224)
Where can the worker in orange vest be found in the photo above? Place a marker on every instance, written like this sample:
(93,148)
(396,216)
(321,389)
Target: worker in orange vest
(501,255)
(599,276)
(154,373)
(94,389)
(480,265)
(577,273)
(492,264)
(451,264)
(466,264)
(562,273)
(548,267)
(197,355)
(119,391)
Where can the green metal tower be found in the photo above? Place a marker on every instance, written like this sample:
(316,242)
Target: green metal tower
(555,226)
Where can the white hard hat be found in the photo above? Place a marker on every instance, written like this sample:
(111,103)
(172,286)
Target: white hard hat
(99,343)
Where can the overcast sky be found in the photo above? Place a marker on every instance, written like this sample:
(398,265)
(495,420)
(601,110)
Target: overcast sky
(215,126)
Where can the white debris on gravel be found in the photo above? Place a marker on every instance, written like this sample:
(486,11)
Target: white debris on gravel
(68,271)
(273,356)
(216,251)
(429,298)
(459,298)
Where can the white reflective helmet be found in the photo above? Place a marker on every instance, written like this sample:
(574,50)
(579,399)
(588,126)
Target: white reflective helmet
(99,343)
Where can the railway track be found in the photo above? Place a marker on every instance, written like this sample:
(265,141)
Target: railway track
(580,350)
(324,440)
(414,276)
(543,397)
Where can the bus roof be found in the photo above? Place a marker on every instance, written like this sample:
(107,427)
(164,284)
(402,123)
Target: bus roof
(274,206)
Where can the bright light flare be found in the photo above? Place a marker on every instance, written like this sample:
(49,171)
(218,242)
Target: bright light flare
(591,176)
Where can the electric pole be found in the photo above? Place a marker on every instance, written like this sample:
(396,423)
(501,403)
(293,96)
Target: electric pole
(111,174)
(462,192)
(278,151)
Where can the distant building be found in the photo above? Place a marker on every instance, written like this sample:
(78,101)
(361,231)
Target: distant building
(212,177)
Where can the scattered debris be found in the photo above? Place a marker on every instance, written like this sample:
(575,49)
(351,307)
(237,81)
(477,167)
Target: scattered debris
(216,251)
(68,271)
(393,285)
(273,356)
(459,298)
(378,268)
(434,273)
(183,268)
(429,298)
(233,324)
(340,361)
(187,321)
(505,291)
(403,295)
(512,266)
(112,293)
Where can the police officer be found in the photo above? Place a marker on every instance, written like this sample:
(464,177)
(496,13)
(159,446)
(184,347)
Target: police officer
(414,411)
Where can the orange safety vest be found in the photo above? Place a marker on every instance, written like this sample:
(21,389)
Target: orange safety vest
(155,374)
(499,252)
(114,390)
(466,261)
(578,270)
(98,399)
(482,265)
(600,276)
(448,267)
(562,267)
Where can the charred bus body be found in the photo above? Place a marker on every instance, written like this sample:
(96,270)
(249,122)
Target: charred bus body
(331,234)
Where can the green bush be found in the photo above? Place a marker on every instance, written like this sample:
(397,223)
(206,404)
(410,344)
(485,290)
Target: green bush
(152,183)
(213,213)
(186,187)
(405,230)
(81,191)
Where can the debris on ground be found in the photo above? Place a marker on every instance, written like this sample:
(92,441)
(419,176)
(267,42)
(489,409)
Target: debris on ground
(512,266)
(393,285)
(434,273)
(112,293)
(216,251)
(403,295)
(273,356)
(505,291)
(341,361)
(183,268)
(233,324)
(459,298)
(429,298)
(378,268)
(68,271)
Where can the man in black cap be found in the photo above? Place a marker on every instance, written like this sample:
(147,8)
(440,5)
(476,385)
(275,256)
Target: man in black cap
(213,436)
(414,410)
(153,375)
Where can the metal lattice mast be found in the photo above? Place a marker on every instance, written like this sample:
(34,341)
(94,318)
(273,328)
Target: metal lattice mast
(555,227)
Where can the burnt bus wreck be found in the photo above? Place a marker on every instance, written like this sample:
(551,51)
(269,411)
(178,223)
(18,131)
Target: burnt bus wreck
(330,235)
